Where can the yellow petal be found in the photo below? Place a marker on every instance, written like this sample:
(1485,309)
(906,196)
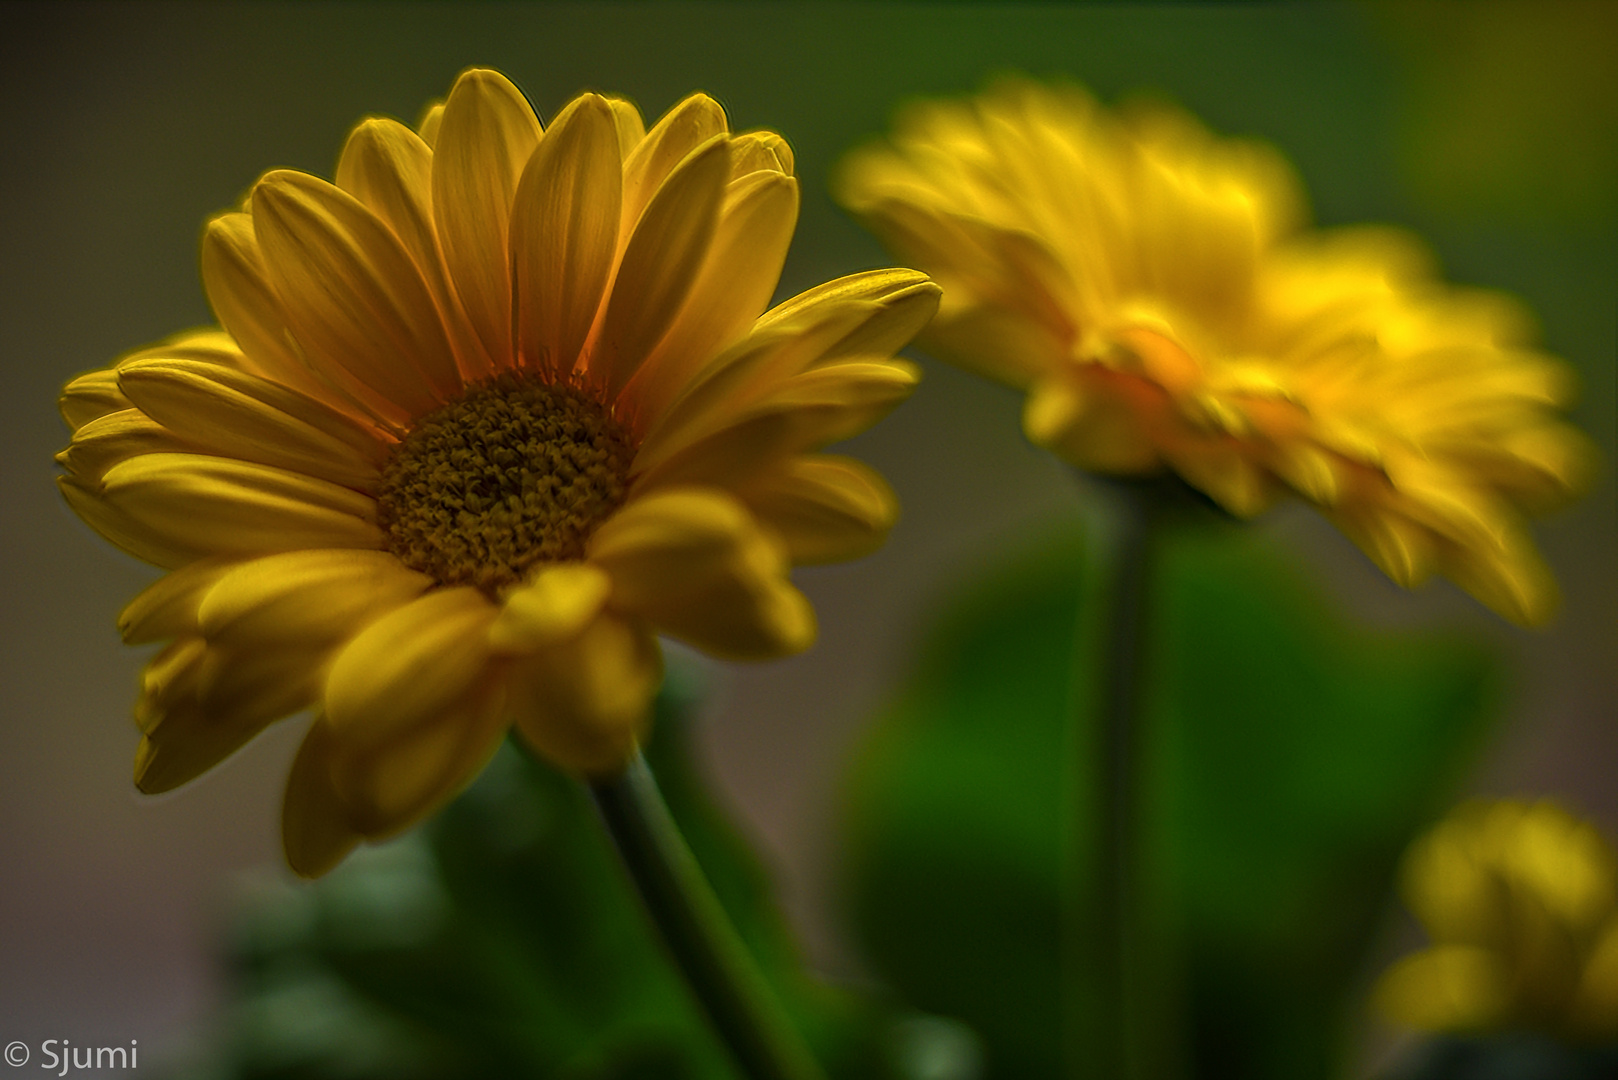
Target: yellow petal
(221,411)
(233,276)
(408,669)
(564,234)
(1446,988)
(682,129)
(315,833)
(389,168)
(119,529)
(585,703)
(809,411)
(693,562)
(354,299)
(486,137)
(736,281)
(741,377)
(759,151)
(116,437)
(168,607)
(194,723)
(660,263)
(431,117)
(631,128)
(869,286)
(826,509)
(215,506)
(91,396)
(307,596)
(555,605)
(387,787)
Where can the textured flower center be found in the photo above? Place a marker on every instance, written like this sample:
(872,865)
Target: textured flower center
(514,473)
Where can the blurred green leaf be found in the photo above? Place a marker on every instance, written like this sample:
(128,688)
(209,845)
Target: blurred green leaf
(504,940)
(1294,757)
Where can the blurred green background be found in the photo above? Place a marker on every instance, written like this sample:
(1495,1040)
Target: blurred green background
(1489,127)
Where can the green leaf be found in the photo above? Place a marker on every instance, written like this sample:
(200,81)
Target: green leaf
(1293,758)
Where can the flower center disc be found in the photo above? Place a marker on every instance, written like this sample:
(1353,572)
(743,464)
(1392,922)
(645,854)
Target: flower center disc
(514,473)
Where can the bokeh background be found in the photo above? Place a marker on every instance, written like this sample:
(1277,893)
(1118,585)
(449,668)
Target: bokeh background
(1490,127)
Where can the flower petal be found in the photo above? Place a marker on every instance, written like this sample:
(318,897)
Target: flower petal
(810,410)
(91,396)
(353,297)
(233,414)
(387,787)
(682,129)
(314,823)
(116,437)
(408,669)
(485,139)
(736,281)
(119,529)
(627,120)
(216,506)
(194,720)
(660,264)
(693,562)
(555,605)
(311,595)
(389,168)
(564,234)
(168,607)
(826,509)
(586,702)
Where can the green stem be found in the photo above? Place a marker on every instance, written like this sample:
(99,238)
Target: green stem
(1106,966)
(696,930)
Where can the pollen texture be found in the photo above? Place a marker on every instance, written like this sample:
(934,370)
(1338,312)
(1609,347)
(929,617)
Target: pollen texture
(514,473)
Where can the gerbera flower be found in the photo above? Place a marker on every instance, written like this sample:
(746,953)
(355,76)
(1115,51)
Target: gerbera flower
(484,418)
(1150,287)
(1521,903)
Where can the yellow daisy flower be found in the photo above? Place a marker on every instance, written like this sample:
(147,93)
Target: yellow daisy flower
(1521,902)
(484,417)
(1149,285)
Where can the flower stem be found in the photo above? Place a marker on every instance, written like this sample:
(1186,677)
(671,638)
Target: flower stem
(1107,963)
(697,932)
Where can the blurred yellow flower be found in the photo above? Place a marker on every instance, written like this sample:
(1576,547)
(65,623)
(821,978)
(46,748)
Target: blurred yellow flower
(1521,903)
(1151,287)
(483,418)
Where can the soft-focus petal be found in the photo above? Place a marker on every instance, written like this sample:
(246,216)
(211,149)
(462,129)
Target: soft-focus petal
(694,563)
(555,605)
(168,608)
(825,509)
(585,702)
(315,833)
(310,595)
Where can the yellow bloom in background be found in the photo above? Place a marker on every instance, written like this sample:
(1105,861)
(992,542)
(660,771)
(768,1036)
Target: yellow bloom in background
(1521,903)
(1152,288)
(483,419)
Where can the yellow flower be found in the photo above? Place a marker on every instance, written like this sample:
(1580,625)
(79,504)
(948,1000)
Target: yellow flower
(1149,285)
(1522,905)
(483,418)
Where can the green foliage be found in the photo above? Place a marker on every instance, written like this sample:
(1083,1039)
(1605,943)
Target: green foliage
(1294,758)
(504,940)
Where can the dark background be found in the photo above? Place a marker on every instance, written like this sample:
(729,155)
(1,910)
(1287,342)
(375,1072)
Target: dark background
(1490,127)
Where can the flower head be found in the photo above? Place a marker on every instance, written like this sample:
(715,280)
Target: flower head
(484,417)
(1149,286)
(1521,903)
